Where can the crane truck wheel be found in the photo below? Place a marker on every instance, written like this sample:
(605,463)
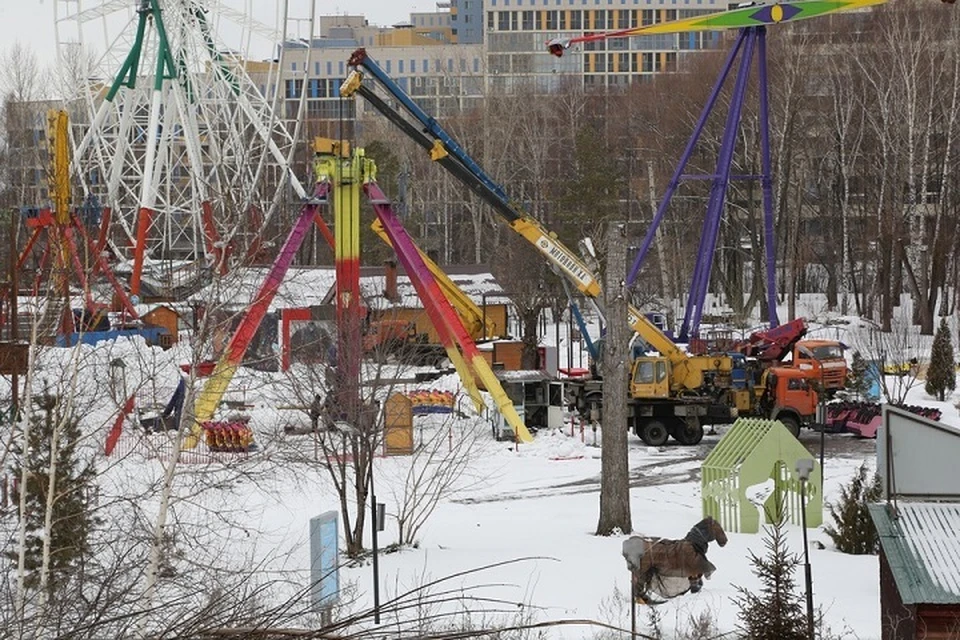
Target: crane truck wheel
(653,432)
(791,423)
(688,433)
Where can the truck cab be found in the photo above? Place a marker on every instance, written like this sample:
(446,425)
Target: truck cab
(650,377)
(822,360)
(790,396)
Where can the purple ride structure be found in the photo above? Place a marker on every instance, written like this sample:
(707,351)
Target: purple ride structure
(750,43)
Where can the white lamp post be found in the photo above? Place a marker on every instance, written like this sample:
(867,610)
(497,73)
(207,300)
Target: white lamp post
(804,469)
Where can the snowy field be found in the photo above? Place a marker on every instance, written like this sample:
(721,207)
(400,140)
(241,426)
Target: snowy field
(536,503)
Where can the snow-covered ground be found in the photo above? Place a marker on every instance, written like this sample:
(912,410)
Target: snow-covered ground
(537,502)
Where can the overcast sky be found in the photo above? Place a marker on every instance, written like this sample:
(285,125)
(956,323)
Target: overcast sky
(31,22)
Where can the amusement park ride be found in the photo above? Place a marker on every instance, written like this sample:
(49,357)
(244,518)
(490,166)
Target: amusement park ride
(752,21)
(670,408)
(175,140)
(179,143)
(57,232)
(163,152)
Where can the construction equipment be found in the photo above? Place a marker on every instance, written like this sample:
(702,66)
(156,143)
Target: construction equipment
(684,391)
(400,338)
(822,360)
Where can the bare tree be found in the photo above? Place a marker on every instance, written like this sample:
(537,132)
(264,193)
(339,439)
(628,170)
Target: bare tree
(614,465)
(438,469)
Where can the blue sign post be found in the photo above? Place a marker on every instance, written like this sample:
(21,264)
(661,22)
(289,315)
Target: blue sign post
(324,560)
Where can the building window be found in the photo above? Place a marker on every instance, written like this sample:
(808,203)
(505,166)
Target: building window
(316,88)
(647,60)
(413,66)
(552,20)
(562,15)
(540,20)
(576,20)
(670,63)
(389,65)
(294,88)
(491,21)
(623,19)
(527,21)
(400,66)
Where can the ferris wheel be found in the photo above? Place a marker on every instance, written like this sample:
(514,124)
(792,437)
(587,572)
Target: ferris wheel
(176,135)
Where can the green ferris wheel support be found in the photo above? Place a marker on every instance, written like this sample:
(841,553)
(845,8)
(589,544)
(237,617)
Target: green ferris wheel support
(166,70)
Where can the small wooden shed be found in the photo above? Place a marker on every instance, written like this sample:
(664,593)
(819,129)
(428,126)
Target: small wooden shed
(166,317)
(919,570)
(918,527)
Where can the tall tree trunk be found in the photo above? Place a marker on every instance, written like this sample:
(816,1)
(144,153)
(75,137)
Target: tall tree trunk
(614,463)
(665,289)
(26,420)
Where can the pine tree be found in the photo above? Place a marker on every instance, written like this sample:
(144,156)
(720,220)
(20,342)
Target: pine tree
(858,381)
(854,531)
(776,611)
(72,520)
(941,375)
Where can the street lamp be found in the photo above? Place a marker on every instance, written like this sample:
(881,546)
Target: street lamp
(804,468)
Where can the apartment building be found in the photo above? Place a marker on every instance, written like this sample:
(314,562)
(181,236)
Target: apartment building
(449,59)
(443,77)
(466,20)
(516,32)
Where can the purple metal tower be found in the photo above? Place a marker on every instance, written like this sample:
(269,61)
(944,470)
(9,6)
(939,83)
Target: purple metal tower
(750,41)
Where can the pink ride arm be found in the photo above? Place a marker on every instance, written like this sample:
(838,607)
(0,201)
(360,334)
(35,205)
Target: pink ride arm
(453,335)
(219,380)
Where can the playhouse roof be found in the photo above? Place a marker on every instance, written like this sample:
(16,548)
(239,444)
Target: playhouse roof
(922,548)
(753,436)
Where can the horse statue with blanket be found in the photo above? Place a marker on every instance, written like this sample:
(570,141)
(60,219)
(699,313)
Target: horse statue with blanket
(662,569)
